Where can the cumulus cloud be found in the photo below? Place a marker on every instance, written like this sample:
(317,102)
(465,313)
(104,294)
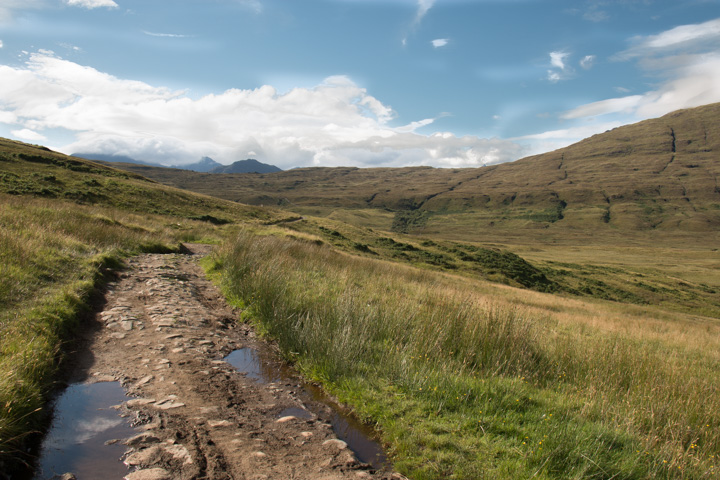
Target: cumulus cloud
(92,3)
(334,123)
(440,42)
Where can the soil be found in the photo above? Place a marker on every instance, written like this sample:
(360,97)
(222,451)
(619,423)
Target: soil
(165,331)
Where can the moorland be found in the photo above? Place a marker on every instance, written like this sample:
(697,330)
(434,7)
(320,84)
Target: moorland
(554,317)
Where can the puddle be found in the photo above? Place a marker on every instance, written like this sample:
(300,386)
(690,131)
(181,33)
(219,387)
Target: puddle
(361,439)
(247,360)
(296,412)
(83,421)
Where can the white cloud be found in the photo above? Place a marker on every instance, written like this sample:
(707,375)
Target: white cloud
(587,62)
(686,63)
(603,107)
(92,3)
(1,44)
(29,135)
(685,59)
(7,117)
(560,69)
(168,35)
(554,139)
(423,6)
(8,7)
(334,123)
(557,59)
(683,35)
(440,42)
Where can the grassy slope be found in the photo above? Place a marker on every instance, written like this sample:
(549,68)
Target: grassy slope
(657,175)
(63,223)
(631,215)
(468,379)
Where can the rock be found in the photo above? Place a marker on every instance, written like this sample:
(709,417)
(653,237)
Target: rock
(149,474)
(143,381)
(147,456)
(64,476)
(179,452)
(289,418)
(141,438)
(139,402)
(170,406)
(334,443)
(127,325)
(306,434)
(259,454)
(219,423)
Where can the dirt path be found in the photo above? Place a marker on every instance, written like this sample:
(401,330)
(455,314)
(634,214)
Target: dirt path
(166,331)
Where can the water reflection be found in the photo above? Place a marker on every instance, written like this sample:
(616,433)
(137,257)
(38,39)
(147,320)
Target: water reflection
(82,423)
(361,439)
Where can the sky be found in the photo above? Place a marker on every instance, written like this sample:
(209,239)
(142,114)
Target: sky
(366,83)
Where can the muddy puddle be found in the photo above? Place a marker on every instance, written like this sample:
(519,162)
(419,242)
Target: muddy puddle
(263,368)
(83,422)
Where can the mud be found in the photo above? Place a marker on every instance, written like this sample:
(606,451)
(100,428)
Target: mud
(164,334)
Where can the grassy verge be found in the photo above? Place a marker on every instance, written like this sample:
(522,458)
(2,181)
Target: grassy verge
(468,385)
(52,256)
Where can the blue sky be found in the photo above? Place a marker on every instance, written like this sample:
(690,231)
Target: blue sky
(447,83)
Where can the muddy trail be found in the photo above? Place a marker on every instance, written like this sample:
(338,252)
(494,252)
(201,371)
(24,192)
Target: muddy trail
(165,334)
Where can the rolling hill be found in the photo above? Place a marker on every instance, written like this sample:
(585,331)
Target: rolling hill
(656,175)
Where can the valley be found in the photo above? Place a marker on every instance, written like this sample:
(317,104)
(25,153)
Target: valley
(554,317)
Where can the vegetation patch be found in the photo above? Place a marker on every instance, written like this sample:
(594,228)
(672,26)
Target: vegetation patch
(409,221)
(462,386)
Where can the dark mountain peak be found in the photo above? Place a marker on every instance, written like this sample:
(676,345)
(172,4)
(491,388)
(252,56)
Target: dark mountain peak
(246,166)
(205,164)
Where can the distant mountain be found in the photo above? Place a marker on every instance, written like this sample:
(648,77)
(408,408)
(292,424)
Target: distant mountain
(103,157)
(206,164)
(246,166)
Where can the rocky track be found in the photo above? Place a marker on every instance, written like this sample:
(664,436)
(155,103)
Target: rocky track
(165,331)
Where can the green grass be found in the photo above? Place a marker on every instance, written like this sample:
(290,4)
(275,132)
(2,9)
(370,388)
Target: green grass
(467,385)
(53,256)
(65,223)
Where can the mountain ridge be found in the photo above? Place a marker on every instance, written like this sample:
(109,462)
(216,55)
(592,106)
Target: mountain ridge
(656,174)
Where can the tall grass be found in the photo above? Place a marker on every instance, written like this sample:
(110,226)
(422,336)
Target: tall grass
(52,257)
(467,386)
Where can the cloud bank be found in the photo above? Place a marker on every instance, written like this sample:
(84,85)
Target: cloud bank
(334,123)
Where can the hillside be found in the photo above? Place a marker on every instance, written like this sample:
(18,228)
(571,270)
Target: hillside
(659,174)
(393,324)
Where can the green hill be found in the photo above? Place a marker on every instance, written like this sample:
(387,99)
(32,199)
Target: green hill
(656,175)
